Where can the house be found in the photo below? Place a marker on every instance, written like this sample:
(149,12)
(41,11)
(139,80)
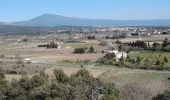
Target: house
(117,53)
(121,54)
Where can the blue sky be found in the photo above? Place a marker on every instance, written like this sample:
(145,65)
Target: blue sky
(17,10)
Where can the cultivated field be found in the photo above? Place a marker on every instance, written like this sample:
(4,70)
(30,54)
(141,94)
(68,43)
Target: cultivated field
(146,84)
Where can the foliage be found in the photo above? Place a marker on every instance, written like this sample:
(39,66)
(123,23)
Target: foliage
(107,59)
(164,96)
(91,37)
(167,48)
(79,86)
(60,76)
(79,51)
(165,43)
(91,50)
(139,44)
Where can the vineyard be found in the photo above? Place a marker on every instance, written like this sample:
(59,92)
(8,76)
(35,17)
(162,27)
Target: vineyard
(143,84)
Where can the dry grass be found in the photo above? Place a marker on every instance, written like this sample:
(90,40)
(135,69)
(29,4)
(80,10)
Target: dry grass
(72,70)
(151,82)
(68,56)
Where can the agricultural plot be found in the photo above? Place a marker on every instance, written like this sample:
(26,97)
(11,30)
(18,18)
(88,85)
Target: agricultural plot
(152,57)
(144,84)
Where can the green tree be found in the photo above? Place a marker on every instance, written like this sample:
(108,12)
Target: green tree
(24,82)
(138,60)
(60,76)
(165,43)
(164,96)
(166,59)
(91,50)
(158,62)
(79,51)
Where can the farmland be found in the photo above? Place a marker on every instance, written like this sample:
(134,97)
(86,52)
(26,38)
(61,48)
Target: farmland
(147,83)
(152,56)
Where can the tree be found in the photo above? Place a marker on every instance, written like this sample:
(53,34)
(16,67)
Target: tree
(25,40)
(158,62)
(79,51)
(167,48)
(60,76)
(107,59)
(165,59)
(24,82)
(91,37)
(120,47)
(91,50)
(79,86)
(165,43)
(121,58)
(164,96)
(138,60)
(155,46)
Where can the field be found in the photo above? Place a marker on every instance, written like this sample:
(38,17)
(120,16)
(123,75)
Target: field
(152,57)
(146,83)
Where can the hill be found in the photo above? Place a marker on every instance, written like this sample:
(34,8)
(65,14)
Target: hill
(56,20)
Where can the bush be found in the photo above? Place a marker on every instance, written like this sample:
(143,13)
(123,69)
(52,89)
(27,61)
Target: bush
(79,86)
(167,48)
(79,51)
(164,96)
(91,50)
(25,40)
(91,37)
(60,76)
(107,59)
(166,59)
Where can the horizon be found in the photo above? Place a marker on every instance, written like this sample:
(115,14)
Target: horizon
(88,18)
(20,10)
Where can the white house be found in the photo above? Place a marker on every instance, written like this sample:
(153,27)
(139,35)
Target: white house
(120,54)
(117,53)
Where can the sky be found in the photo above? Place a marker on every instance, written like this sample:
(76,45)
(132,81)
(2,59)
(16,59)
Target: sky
(18,10)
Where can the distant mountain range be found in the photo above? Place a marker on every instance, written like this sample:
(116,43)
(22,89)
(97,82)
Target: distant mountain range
(56,20)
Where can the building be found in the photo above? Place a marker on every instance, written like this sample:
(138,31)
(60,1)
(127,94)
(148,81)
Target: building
(117,53)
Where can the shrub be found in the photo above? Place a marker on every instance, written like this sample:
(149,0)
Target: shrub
(164,96)
(25,40)
(80,86)
(165,59)
(107,59)
(60,76)
(79,51)
(91,50)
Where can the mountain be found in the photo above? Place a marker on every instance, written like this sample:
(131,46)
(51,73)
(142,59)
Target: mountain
(2,23)
(56,20)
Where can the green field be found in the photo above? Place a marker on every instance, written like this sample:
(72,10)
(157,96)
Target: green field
(152,57)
